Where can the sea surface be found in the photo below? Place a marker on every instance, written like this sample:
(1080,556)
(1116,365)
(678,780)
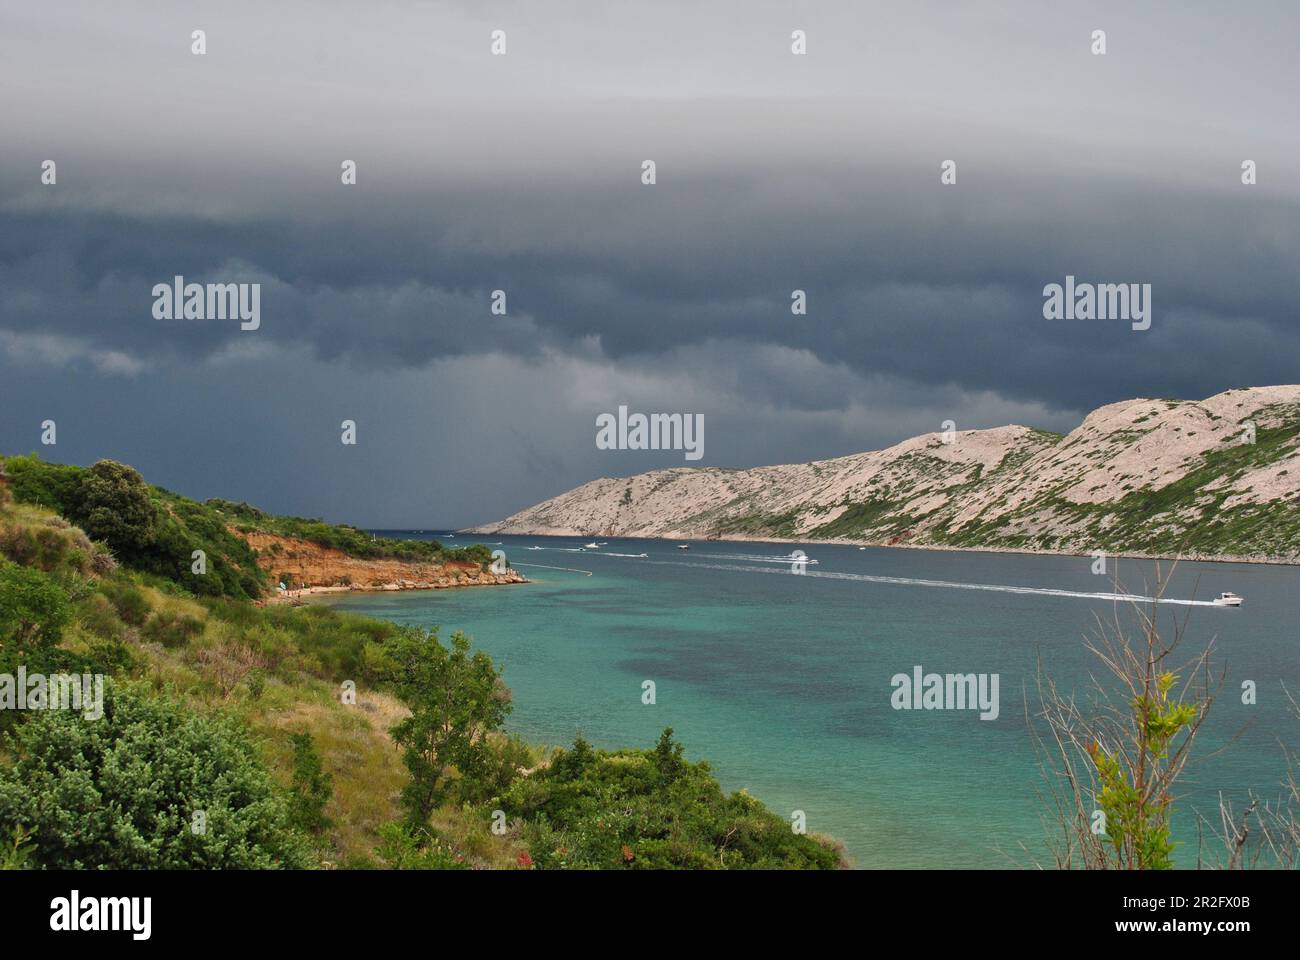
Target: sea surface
(782,680)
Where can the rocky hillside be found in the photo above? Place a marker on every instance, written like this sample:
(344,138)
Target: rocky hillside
(1218,478)
(298,563)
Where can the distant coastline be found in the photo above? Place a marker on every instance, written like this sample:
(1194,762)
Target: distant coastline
(934,547)
(1216,480)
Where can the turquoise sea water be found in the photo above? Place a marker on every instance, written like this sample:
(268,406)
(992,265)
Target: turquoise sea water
(782,681)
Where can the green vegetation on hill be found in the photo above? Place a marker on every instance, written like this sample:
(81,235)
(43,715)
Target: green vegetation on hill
(146,527)
(351,540)
(152,530)
(146,786)
(650,809)
(1189,513)
(234,735)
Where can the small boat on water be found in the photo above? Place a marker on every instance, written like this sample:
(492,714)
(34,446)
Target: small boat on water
(683,546)
(1227,599)
(592,546)
(532,548)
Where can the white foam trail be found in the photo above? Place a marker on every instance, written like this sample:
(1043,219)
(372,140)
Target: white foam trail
(767,558)
(515,563)
(952,585)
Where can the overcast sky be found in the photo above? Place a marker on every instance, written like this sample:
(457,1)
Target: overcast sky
(523,172)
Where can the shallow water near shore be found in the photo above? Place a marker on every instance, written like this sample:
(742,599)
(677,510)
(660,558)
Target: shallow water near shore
(782,681)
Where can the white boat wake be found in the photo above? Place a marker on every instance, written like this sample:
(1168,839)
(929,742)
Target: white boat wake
(755,558)
(950,584)
(543,566)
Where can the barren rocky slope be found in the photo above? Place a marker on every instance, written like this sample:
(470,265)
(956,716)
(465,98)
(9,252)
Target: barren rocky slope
(321,568)
(1218,478)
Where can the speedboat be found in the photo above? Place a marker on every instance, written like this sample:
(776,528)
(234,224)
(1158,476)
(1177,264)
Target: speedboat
(1227,599)
(683,546)
(592,546)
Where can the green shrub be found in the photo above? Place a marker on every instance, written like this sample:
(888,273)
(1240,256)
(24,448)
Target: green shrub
(123,791)
(311,789)
(130,601)
(172,628)
(50,545)
(422,849)
(650,809)
(33,613)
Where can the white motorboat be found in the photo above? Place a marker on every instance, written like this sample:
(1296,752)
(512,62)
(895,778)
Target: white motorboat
(1227,599)
(592,546)
(683,546)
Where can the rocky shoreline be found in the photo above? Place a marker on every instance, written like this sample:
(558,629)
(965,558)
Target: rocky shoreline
(448,583)
(314,570)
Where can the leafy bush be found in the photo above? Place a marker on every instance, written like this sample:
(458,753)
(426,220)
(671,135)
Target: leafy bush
(50,544)
(123,791)
(33,613)
(650,809)
(404,849)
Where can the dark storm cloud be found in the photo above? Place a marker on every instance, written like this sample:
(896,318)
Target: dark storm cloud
(522,173)
(944,288)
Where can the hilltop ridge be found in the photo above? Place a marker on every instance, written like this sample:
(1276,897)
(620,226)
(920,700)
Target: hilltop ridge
(1210,479)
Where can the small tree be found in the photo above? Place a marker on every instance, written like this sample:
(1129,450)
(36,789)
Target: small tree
(1112,764)
(114,505)
(312,787)
(668,756)
(455,699)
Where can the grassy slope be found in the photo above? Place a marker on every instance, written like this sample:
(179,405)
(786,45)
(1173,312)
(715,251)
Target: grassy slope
(280,670)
